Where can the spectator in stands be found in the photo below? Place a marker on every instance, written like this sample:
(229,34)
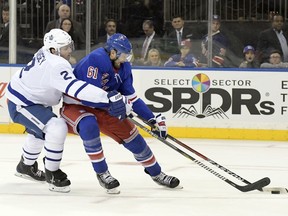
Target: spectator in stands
(275,61)
(273,38)
(180,32)
(154,58)
(185,58)
(4,32)
(219,45)
(64,12)
(110,29)
(150,40)
(67,25)
(249,58)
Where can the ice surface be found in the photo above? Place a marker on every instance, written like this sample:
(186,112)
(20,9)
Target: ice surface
(203,194)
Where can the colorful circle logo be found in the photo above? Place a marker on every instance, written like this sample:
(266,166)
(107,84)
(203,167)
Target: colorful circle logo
(201,83)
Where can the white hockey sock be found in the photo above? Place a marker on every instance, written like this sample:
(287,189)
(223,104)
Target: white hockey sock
(53,155)
(55,134)
(32,149)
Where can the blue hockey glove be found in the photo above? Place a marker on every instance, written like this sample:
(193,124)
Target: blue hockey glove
(160,128)
(117,107)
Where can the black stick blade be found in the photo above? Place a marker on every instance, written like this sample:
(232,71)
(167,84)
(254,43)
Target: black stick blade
(258,185)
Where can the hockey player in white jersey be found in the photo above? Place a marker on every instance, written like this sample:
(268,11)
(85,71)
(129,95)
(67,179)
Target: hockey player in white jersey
(31,94)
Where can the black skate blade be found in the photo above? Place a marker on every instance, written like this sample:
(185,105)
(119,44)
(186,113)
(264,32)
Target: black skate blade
(27,177)
(113,191)
(64,189)
(179,187)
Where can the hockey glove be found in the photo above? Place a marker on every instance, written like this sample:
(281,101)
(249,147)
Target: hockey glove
(128,105)
(160,128)
(117,107)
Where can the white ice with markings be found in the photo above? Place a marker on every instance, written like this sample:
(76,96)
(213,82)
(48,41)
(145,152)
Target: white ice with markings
(203,194)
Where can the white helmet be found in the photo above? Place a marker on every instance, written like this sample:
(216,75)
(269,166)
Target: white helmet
(57,38)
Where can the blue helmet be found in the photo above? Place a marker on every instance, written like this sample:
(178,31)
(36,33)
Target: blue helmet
(120,43)
(247,48)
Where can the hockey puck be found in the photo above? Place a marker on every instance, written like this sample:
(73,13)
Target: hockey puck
(275,192)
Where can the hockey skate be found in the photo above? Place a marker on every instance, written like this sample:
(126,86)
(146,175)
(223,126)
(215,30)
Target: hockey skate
(57,181)
(108,182)
(30,172)
(166,180)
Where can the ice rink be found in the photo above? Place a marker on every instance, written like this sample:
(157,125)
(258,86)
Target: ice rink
(203,194)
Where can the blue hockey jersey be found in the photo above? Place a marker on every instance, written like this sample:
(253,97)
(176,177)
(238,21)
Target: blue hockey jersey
(97,69)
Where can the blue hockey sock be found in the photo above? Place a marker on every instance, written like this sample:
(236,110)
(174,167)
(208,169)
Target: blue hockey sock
(90,134)
(143,155)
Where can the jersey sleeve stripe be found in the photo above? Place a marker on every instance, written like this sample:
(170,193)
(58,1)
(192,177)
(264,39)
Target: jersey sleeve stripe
(80,89)
(69,86)
(19,96)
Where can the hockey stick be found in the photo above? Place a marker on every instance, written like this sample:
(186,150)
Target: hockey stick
(208,159)
(201,155)
(258,185)
(273,190)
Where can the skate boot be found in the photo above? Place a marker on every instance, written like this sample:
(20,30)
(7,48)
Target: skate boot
(165,180)
(57,181)
(30,172)
(108,182)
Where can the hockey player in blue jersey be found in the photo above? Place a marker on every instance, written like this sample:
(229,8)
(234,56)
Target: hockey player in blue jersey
(33,91)
(107,68)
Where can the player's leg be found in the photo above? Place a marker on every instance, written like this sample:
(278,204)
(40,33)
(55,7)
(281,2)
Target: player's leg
(144,155)
(126,133)
(49,131)
(55,134)
(81,120)
(28,167)
(90,134)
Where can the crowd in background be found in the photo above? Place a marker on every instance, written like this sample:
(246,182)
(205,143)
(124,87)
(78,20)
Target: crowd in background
(176,44)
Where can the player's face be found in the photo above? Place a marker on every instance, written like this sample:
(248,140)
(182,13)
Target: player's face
(66,51)
(123,57)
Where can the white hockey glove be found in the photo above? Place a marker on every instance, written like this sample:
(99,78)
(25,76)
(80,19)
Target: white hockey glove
(160,128)
(128,105)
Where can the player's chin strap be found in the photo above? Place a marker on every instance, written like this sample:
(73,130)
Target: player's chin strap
(258,185)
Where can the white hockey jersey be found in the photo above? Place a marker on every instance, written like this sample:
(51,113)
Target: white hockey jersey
(45,78)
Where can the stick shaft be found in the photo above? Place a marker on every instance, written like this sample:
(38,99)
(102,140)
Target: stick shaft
(201,155)
(208,159)
(258,185)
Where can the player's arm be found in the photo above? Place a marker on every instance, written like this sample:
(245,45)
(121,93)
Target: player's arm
(138,105)
(159,121)
(65,81)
